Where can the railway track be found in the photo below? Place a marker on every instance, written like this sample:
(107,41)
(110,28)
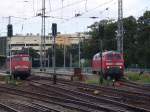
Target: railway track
(73,96)
(6,108)
(22,106)
(135,86)
(67,103)
(118,92)
(90,98)
(97,87)
(132,98)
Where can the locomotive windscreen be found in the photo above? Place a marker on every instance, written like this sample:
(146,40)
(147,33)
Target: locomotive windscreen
(113,57)
(17,58)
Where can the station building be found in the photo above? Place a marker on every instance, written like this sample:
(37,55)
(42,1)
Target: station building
(34,41)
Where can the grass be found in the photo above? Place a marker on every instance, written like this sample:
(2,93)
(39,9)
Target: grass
(10,81)
(96,81)
(92,81)
(144,78)
(132,76)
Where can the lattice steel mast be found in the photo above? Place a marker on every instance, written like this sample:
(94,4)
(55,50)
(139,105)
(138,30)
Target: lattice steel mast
(120,27)
(42,50)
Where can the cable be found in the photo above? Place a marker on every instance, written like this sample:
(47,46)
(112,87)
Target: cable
(33,7)
(50,8)
(62,8)
(90,10)
(99,6)
(86,6)
(74,3)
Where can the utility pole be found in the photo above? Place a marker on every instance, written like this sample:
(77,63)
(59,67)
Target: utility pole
(54,34)
(101,30)
(120,27)
(70,59)
(101,62)
(9,35)
(79,50)
(64,52)
(42,49)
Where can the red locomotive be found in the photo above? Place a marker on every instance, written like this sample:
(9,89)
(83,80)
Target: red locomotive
(20,65)
(112,64)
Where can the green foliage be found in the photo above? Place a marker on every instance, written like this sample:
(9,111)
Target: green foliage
(133,76)
(144,78)
(34,55)
(11,81)
(136,39)
(92,81)
(59,56)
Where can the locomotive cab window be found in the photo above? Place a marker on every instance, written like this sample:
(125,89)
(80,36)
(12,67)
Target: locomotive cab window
(117,56)
(113,57)
(25,59)
(17,59)
(110,56)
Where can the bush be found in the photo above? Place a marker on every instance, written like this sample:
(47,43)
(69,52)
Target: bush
(144,78)
(133,76)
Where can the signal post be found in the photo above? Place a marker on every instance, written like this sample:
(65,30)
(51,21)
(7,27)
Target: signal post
(54,34)
(9,35)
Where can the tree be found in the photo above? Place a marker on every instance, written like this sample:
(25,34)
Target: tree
(136,39)
(34,56)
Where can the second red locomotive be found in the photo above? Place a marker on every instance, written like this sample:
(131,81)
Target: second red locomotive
(20,65)
(111,63)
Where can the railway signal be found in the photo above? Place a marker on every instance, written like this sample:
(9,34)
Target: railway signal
(54,33)
(9,30)
(9,35)
(54,29)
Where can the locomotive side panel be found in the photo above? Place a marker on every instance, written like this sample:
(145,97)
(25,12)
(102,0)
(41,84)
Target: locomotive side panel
(112,64)
(20,65)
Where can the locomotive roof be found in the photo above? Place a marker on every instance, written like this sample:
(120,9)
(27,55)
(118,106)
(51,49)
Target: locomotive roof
(18,55)
(110,52)
(21,55)
(106,52)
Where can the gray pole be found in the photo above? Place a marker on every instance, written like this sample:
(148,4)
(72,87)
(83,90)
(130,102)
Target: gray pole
(70,59)
(42,50)
(64,52)
(9,44)
(48,62)
(54,61)
(101,62)
(41,45)
(79,51)
(120,27)
(54,33)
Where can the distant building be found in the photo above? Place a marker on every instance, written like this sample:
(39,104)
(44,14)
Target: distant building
(19,42)
(34,41)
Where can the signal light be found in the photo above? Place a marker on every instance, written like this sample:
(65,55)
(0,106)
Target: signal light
(54,29)
(9,30)
(108,67)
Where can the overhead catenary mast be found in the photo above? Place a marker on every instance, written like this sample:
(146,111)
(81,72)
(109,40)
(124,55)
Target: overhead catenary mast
(120,27)
(42,50)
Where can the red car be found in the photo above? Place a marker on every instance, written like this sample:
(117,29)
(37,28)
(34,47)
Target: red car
(20,65)
(111,64)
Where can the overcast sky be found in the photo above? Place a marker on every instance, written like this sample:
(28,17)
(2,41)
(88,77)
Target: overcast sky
(63,13)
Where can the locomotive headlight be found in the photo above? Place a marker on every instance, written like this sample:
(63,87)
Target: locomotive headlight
(16,67)
(120,67)
(108,67)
